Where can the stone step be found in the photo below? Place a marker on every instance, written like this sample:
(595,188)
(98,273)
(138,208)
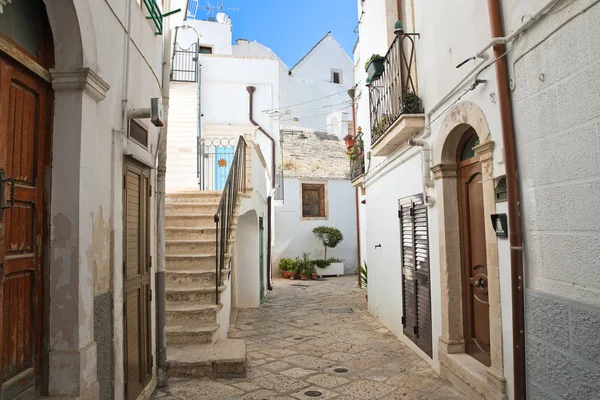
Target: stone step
(185,313)
(190,221)
(192,292)
(198,262)
(193,233)
(191,333)
(190,208)
(223,359)
(203,278)
(200,197)
(177,247)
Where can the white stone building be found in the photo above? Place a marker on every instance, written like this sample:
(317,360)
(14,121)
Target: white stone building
(78,278)
(462,301)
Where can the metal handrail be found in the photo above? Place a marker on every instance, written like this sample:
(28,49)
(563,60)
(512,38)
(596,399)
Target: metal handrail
(235,184)
(393,93)
(357,165)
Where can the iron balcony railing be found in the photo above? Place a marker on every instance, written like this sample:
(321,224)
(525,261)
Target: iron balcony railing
(393,93)
(185,64)
(357,158)
(224,217)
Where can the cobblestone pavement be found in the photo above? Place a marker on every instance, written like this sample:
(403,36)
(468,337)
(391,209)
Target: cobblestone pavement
(317,336)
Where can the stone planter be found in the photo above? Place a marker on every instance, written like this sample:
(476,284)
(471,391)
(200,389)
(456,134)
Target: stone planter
(336,269)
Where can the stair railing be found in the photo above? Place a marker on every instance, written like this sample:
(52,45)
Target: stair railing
(224,217)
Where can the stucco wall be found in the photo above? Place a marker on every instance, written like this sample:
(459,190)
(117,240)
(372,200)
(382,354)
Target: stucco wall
(557,121)
(294,235)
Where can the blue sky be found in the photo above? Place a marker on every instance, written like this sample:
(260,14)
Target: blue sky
(292,27)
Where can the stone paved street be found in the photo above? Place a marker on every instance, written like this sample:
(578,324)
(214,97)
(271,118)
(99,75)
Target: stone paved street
(317,336)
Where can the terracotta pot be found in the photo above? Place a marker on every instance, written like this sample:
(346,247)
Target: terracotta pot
(292,277)
(314,276)
(350,143)
(292,274)
(305,277)
(286,274)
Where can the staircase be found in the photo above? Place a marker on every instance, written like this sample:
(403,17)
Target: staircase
(196,344)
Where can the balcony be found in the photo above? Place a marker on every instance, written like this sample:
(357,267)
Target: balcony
(396,110)
(356,155)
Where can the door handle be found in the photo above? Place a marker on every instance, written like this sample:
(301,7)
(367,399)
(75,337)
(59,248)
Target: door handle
(11,199)
(480,283)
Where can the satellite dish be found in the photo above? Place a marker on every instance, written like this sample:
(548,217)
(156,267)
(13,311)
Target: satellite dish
(223,18)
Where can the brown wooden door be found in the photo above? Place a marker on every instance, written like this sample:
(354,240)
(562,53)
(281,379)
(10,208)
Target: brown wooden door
(416,295)
(474,263)
(23,128)
(136,271)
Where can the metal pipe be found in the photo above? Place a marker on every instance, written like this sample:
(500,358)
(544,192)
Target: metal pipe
(512,184)
(352,94)
(269,238)
(251,90)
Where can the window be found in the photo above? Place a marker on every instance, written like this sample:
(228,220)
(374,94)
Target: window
(336,76)
(313,201)
(205,50)
(138,133)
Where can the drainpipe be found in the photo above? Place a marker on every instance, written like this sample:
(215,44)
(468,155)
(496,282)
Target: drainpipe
(512,183)
(352,93)
(425,167)
(251,90)
(161,171)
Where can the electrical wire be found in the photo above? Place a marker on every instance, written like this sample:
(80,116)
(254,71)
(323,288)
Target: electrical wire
(318,115)
(325,106)
(306,102)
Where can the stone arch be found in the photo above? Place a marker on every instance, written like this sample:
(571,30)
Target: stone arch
(488,381)
(74,35)
(462,116)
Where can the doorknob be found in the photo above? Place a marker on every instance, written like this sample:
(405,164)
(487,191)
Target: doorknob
(11,200)
(480,283)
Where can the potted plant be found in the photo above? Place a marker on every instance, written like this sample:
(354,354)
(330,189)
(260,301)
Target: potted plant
(305,274)
(350,140)
(411,103)
(313,272)
(374,67)
(330,237)
(363,277)
(295,267)
(286,265)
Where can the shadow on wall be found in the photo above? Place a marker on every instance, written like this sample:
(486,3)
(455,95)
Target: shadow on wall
(247,268)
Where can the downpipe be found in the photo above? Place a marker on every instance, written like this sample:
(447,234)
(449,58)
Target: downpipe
(425,168)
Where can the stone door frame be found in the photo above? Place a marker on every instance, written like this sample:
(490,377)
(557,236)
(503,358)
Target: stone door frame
(474,378)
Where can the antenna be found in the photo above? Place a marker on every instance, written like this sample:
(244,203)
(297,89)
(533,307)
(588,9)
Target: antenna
(211,9)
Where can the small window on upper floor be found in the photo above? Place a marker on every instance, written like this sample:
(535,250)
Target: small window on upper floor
(336,76)
(138,133)
(205,50)
(314,204)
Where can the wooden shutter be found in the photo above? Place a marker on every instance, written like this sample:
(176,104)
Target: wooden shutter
(136,271)
(416,294)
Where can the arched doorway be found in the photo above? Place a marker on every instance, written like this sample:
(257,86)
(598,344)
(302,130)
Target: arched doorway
(476,310)
(25,135)
(470,348)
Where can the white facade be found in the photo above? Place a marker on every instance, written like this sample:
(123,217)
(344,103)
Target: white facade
(294,233)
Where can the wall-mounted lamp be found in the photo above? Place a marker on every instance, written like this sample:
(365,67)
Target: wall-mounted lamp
(154,113)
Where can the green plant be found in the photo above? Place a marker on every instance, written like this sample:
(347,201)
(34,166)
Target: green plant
(329,236)
(334,260)
(305,272)
(321,263)
(374,57)
(286,264)
(411,103)
(363,274)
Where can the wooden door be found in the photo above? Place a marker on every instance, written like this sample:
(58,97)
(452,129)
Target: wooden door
(416,294)
(23,128)
(474,262)
(136,271)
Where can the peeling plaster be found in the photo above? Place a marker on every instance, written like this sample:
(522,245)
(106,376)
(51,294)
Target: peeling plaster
(98,255)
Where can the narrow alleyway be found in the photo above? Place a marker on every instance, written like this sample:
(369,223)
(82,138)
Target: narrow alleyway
(315,339)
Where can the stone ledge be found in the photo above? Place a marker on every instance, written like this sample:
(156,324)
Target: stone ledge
(222,359)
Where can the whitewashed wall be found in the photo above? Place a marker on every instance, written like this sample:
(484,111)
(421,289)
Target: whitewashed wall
(449,35)
(294,235)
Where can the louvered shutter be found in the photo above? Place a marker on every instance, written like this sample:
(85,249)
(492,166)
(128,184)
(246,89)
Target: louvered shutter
(137,268)
(416,294)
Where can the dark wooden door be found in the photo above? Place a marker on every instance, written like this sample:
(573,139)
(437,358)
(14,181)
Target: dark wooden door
(23,128)
(474,262)
(136,271)
(416,294)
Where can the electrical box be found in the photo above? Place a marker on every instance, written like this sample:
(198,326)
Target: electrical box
(500,224)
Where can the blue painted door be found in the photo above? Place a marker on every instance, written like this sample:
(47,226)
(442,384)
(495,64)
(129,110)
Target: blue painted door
(223,159)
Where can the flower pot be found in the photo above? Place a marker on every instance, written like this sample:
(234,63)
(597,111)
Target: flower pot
(286,274)
(350,143)
(314,276)
(292,277)
(292,274)
(305,277)
(375,69)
